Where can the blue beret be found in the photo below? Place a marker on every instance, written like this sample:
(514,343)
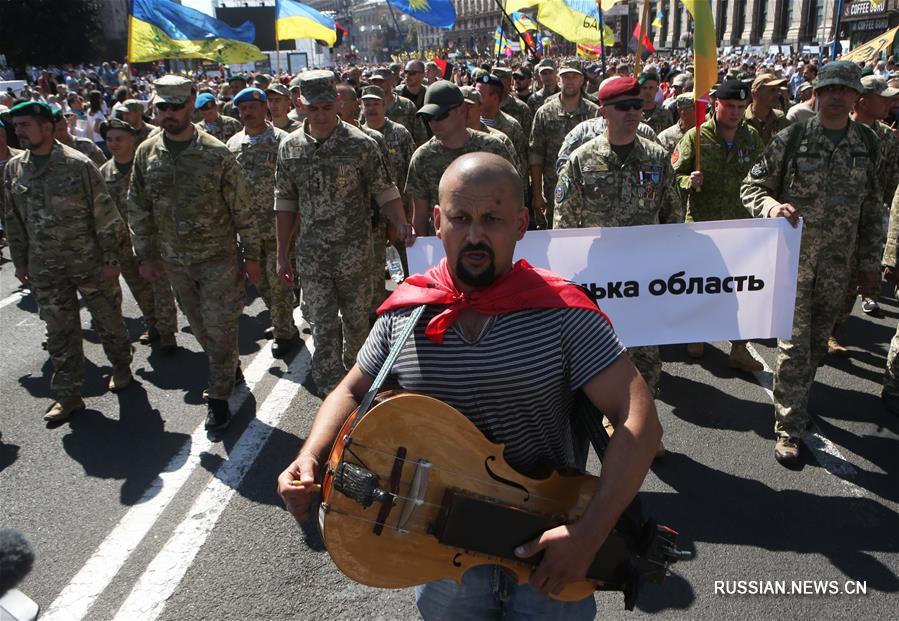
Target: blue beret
(250,94)
(204,99)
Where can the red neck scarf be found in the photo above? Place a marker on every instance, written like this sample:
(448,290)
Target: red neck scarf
(523,288)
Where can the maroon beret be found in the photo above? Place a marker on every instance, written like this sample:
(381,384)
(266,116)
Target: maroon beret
(619,87)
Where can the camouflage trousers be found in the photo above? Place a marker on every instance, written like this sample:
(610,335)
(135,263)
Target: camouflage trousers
(649,363)
(57,301)
(278,297)
(212,296)
(155,299)
(820,299)
(891,375)
(334,305)
(379,258)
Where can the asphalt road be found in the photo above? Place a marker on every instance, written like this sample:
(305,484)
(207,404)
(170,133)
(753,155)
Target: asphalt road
(135,513)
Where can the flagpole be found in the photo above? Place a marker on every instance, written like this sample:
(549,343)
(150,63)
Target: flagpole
(639,59)
(514,27)
(602,38)
(277,43)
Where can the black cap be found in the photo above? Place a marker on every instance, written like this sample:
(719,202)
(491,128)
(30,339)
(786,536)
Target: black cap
(733,89)
(489,78)
(523,73)
(440,97)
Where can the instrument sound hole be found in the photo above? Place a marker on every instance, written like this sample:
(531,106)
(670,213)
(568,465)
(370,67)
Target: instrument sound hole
(496,477)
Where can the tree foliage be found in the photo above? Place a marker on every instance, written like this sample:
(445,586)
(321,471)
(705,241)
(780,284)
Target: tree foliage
(45,32)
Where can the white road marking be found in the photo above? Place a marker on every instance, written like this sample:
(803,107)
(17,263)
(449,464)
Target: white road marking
(76,599)
(825,451)
(15,297)
(165,572)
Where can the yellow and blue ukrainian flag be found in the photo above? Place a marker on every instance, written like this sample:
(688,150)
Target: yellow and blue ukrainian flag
(295,20)
(439,13)
(163,29)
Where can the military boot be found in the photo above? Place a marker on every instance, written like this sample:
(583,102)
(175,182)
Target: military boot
(741,359)
(167,343)
(218,416)
(120,379)
(786,451)
(61,410)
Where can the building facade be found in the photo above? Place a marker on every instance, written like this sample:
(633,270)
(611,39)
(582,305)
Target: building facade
(766,23)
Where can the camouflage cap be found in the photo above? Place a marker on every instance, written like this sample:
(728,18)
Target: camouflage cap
(767,79)
(503,73)
(471,95)
(805,86)
(133,105)
(874,85)
(684,101)
(105,126)
(294,82)
(317,86)
(173,89)
(840,73)
(32,108)
(278,89)
(570,66)
(647,76)
(395,67)
(263,78)
(546,64)
(373,92)
(382,74)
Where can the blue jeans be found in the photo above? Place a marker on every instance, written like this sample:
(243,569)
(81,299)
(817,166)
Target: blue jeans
(489,592)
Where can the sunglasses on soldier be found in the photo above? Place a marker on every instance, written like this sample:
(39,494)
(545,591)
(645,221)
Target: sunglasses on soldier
(443,116)
(628,104)
(165,107)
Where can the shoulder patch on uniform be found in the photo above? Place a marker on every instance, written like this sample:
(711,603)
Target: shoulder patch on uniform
(561,190)
(675,156)
(760,169)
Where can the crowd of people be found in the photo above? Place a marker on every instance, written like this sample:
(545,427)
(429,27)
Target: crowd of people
(190,187)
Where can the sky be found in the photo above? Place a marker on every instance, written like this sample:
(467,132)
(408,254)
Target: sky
(201,5)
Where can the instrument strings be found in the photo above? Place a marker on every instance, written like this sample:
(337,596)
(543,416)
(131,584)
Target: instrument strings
(450,471)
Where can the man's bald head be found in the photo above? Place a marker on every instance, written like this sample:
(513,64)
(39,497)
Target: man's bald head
(481,169)
(480,217)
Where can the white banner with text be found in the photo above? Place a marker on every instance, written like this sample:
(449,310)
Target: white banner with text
(672,283)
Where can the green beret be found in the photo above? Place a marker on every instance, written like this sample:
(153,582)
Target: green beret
(32,108)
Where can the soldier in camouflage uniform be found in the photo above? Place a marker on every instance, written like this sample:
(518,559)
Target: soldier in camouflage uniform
(133,113)
(491,91)
(400,147)
(154,299)
(6,154)
(513,106)
(619,179)
(348,111)
(326,176)
(553,121)
(399,109)
(85,146)
(64,236)
(762,113)
(279,105)
(823,171)
(686,120)
(473,121)
(256,150)
(873,106)
(187,203)
(217,125)
(236,83)
(890,393)
(654,115)
(730,147)
(447,117)
(546,69)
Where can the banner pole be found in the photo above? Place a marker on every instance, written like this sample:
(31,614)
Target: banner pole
(638,61)
(602,38)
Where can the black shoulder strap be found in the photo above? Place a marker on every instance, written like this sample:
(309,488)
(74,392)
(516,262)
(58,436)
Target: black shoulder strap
(369,398)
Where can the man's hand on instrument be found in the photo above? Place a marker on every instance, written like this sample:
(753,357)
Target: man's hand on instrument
(297,487)
(566,558)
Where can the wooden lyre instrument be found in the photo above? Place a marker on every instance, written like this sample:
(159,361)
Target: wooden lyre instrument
(413,492)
